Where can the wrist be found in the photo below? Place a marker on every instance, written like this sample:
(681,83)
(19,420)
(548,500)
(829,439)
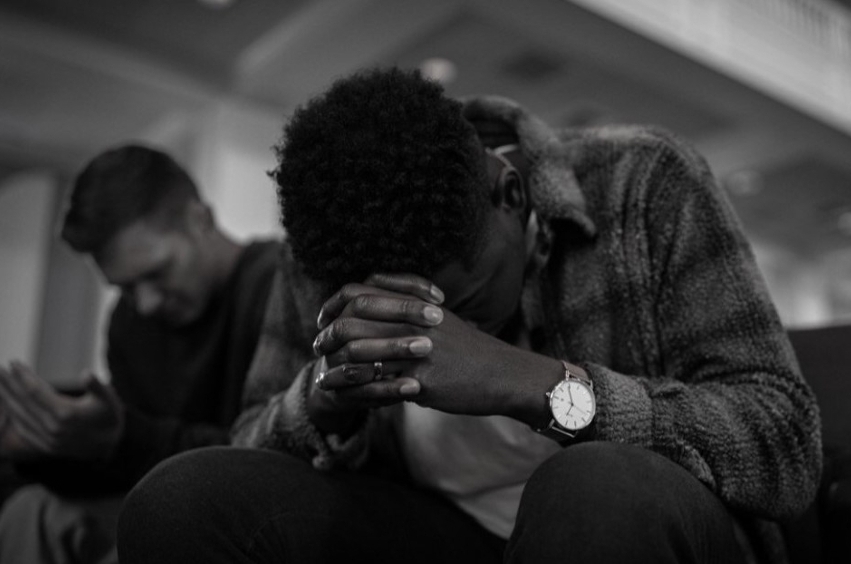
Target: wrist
(528,401)
(572,405)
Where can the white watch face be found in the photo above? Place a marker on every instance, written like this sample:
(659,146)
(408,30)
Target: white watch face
(573,405)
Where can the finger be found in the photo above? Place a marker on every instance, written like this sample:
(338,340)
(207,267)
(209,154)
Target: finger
(377,394)
(370,350)
(407,311)
(19,440)
(30,417)
(336,304)
(99,388)
(351,329)
(354,374)
(20,433)
(31,390)
(346,329)
(410,284)
(395,309)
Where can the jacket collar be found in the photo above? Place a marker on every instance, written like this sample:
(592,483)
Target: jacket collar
(553,188)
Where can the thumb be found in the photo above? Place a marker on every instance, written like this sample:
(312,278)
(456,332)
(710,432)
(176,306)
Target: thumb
(95,386)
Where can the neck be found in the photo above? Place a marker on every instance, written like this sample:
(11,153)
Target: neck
(226,252)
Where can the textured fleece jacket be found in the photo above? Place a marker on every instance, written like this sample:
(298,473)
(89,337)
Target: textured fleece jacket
(651,287)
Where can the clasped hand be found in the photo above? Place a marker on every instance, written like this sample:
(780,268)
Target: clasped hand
(428,355)
(38,421)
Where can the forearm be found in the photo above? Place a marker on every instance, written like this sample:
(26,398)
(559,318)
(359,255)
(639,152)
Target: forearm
(521,380)
(283,423)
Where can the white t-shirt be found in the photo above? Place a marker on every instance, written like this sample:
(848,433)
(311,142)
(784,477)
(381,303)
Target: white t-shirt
(480,463)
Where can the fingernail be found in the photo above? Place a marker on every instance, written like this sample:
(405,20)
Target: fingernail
(433,314)
(420,346)
(437,294)
(410,389)
(316,345)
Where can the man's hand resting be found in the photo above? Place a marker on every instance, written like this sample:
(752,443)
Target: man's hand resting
(37,421)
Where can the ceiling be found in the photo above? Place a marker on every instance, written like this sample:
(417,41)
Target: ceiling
(79,75)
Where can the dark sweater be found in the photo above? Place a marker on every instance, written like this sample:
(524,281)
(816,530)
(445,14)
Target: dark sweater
(181,387)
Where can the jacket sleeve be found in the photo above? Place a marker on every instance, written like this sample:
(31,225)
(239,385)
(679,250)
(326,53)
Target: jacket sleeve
(274,412)
(724,397)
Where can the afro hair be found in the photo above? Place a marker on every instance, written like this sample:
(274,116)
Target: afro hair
(381,174)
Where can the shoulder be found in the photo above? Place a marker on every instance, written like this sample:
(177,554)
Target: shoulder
(639,161)
(256,267)
(626,142)
(260,256)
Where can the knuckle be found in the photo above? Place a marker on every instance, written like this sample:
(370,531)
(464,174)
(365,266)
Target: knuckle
(351,373)
(354,351)
(412,309)
(361,303)
(402,348)
(374,279)
(345,354)
(336,332)
(349,292)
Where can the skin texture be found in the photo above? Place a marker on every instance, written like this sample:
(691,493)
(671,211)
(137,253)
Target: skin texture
(423,331)
(170,273)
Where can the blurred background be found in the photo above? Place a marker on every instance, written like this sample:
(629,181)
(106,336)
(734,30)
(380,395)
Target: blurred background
(761,87)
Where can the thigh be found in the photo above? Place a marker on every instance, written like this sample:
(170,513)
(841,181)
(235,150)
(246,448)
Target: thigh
(606,502)
(245,505)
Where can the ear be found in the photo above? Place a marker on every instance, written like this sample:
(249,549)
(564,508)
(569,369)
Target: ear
(509,190)
(199,216)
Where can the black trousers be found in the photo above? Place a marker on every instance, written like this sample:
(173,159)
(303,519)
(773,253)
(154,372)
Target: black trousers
(593,502)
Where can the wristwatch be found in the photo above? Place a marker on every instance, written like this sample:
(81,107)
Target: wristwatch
(572,405)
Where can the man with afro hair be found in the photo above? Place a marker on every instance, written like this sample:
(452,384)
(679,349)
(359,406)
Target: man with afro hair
(535,346)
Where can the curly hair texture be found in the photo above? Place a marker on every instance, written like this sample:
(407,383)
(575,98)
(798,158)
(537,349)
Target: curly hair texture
(381,174)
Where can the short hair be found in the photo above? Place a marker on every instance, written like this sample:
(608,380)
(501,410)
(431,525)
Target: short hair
(119,187)
(381,174)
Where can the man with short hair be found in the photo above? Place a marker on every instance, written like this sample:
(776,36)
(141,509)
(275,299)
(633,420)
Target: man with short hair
(181,338)
(535,346)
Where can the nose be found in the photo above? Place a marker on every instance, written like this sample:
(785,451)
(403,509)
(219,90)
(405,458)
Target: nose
(148,299)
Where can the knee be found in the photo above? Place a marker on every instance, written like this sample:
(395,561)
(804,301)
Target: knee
(172,497)
(659,512)
(606,481)
(211,499)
